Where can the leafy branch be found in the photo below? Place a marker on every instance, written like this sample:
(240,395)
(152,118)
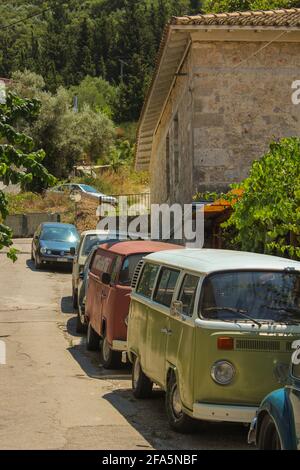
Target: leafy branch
(19,163)
(266,215)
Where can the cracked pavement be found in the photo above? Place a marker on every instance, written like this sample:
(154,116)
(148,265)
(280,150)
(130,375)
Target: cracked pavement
(56,395)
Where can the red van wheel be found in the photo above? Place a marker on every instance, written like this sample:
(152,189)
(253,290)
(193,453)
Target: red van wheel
(110,359)
(92,339)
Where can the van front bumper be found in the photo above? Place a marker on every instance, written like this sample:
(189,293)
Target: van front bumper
(234,414)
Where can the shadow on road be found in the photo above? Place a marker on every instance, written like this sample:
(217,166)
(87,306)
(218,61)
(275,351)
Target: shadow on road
(149,418)
(49,268)
(89,361)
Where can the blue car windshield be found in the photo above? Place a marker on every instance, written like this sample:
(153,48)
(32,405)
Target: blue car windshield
(60,234)
(246,295)
(89,189)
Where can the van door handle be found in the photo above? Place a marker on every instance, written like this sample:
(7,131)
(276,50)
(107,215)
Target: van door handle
(166,331)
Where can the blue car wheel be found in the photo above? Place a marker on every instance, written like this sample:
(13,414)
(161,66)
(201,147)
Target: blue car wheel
(268,438)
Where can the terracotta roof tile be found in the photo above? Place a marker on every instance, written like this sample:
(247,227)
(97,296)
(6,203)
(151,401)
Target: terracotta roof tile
(283,17)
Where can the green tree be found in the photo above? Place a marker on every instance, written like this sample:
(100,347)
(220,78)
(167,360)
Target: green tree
(84,54)
(218,6)
(97,93)
(67,137)
(70,137)
(196,6)
(19,164)
(266,218)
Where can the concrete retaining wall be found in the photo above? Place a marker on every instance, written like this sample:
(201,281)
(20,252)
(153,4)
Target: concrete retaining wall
(24,225)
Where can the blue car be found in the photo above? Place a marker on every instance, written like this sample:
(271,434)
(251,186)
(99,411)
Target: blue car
(54,242)
(277,422)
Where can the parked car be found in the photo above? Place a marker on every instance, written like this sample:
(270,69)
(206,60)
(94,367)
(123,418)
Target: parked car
(54,242)
(277,423)
(108,295)
(84,190)
(81,323)
(212,328)
(83,281)
(88,240)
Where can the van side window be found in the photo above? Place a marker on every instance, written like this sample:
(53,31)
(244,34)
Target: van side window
(166,286)
(116,266)
(147,280)
(101,263)
(188,293)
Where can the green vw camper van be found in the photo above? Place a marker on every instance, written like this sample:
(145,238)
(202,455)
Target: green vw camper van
(214,329)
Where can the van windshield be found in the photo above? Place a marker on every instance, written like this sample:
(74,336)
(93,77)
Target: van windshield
(252,296)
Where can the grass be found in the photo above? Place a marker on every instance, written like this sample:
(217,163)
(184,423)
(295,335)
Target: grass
(124,181)
(26,203)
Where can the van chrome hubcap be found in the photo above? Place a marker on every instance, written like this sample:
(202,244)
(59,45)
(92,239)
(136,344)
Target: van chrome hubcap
(105,349)
(176,402)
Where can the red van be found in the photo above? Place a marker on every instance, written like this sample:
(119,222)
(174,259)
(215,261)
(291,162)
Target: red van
(108,295)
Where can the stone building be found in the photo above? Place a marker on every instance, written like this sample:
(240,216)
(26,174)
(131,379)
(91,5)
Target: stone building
(221,91)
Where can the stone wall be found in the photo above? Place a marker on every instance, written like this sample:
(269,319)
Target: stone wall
(229,109)
(240,109)
(24,225)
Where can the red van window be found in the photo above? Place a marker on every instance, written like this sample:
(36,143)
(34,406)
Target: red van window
(102,263)
(128,267)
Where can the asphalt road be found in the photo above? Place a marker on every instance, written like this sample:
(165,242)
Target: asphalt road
(55,395)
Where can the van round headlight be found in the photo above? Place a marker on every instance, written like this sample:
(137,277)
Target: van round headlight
(43,250)
(223,372)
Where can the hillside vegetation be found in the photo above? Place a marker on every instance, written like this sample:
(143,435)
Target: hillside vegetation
(113,39)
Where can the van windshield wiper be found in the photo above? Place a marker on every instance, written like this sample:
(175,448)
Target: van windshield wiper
(243,313)
(285,309)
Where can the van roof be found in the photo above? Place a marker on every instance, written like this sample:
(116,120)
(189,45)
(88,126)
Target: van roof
(208,260)
(132,247)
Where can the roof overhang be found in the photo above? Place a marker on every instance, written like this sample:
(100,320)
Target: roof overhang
(177,39)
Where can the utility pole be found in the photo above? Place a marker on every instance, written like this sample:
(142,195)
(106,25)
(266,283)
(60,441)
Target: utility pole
(75,104)
(122,62)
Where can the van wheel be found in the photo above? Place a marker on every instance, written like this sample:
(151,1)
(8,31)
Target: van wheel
(81,324)
(75,300)
(178,419)
(92,339)
(81,327)
(141,384)
(110,359)
(268,436)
